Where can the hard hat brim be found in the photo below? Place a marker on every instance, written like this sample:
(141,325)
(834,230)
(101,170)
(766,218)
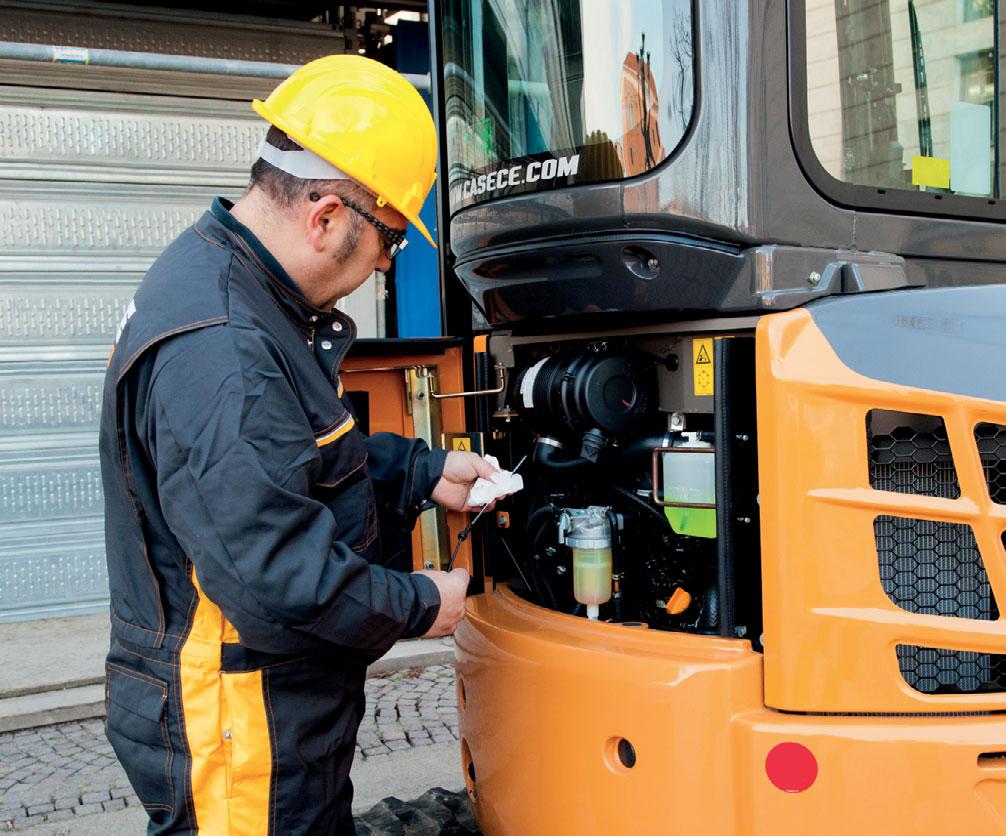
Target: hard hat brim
(267,113)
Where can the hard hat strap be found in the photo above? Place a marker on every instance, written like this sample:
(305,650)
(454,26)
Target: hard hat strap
(303,164)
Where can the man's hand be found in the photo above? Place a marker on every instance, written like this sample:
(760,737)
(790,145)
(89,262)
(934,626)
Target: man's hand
(452,586)
(460,472)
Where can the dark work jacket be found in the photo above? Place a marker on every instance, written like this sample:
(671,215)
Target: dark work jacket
(243,543)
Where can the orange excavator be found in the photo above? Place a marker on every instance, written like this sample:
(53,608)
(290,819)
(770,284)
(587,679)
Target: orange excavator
(735,275)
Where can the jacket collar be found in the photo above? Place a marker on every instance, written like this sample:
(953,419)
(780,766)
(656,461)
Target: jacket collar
(222,226)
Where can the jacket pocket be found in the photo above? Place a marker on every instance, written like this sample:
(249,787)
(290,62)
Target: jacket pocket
(343,453)
(343,484)
(136,723)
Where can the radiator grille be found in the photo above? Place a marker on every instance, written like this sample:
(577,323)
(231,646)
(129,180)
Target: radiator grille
(935,670)
(910,453)
(933,567)
(991,440)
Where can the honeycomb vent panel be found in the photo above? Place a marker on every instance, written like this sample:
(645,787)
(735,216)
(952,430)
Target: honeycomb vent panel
(933,568)
(991,441)
(934,670)
(909,453)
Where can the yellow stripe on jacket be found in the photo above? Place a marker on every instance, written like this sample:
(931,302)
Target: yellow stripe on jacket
(227,731)
(344,427)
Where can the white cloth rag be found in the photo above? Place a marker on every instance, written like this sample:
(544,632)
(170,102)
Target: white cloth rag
(503,482)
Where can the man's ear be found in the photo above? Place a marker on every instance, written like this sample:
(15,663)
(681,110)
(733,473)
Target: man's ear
(322,216)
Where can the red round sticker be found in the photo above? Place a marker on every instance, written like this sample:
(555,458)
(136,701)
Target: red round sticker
(792,767)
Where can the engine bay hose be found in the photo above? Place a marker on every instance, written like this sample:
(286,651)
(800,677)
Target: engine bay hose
(549,455)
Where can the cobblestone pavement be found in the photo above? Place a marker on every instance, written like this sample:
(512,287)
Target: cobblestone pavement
(54,773)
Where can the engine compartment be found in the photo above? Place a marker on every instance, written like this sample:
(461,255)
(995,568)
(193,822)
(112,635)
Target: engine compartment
(640,500)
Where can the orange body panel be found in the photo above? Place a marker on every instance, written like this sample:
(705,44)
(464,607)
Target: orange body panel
(830,628)
(543,695)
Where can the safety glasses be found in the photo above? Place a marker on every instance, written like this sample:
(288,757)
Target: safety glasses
(394,241)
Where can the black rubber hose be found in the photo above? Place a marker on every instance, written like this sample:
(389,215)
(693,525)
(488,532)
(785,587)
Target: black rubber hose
(542,585)
(548,510)
(616,567)
(538,523)
(723,428)
(641,447)
(640,502)
(551,458)
(555,459)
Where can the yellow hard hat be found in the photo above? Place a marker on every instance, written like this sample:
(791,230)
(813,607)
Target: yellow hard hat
(366,120)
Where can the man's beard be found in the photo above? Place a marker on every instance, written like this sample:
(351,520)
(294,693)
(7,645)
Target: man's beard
(352,240)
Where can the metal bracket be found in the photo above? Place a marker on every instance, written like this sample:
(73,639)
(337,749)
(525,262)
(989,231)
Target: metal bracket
(427,424)
(500,376)
(657,452)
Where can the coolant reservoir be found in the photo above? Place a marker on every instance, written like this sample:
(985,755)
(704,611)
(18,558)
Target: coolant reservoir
(689,492)
(587,531)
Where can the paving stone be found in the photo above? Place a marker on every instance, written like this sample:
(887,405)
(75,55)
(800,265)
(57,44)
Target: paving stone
(72,769)
(67,802)
(58,815)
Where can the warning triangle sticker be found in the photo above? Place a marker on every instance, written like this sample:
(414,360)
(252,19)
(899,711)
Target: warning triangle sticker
(703,356)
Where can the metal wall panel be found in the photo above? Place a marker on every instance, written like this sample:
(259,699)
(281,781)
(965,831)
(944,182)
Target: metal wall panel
(49,398)
(44,485)
(62,573)
(75,221)
(61,314)
(121,26)
(124,138)
(99,171)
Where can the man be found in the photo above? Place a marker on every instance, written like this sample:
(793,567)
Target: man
(241,499)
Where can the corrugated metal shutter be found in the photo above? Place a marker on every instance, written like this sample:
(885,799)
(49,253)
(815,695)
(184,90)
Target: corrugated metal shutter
(99,170)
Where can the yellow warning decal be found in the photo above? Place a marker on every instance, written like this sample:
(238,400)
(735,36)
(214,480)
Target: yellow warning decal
(702,366)
(933,172)
(462,442)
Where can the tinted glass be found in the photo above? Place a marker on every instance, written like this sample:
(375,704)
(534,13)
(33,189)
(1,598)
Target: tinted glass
(902,93)
(548,93)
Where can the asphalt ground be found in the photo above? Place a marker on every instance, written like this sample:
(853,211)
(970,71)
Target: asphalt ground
(65,779)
